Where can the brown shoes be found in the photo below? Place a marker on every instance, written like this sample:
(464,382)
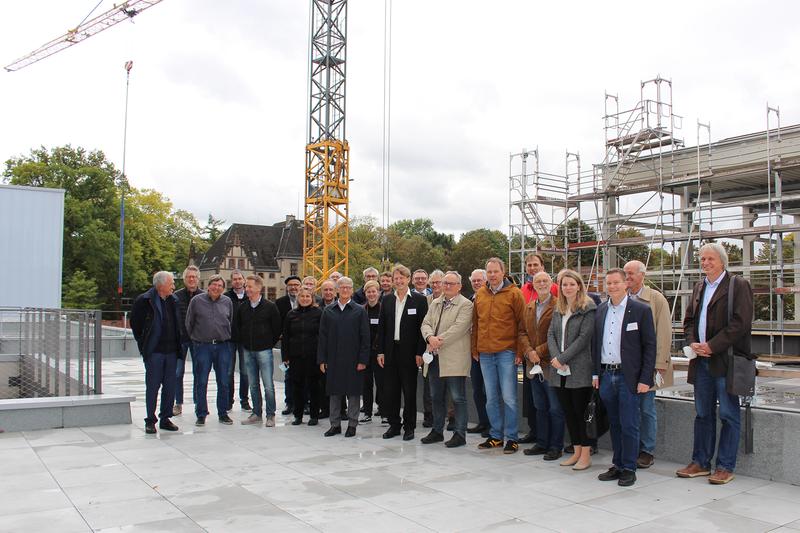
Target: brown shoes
(693,470)
(720,477)
(645,460)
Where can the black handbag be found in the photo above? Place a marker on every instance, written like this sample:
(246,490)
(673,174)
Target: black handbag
(740,379)
(596,417)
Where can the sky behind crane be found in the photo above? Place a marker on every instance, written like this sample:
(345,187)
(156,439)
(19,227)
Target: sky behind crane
(218,102)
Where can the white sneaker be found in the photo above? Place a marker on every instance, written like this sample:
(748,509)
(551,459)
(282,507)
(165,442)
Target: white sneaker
(270,423)
(251,420)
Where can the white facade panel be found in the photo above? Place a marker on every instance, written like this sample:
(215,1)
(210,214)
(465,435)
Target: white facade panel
(31,246)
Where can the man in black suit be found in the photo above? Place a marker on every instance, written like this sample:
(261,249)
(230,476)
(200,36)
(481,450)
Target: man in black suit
(285,304)
(625,357)
(400,349)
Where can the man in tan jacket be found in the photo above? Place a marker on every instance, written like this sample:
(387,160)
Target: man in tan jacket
(446,333)
(498,322)
(634,277)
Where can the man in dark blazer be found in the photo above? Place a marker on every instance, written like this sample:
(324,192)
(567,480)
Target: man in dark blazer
(285,304)
(400,347)
(625,357)
(710,334)
(155,322)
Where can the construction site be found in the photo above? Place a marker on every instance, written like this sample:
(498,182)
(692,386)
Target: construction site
(654,192)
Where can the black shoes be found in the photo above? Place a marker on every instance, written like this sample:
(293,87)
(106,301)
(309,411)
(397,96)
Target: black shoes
(149,428)
(408,434)
(511,447)
(552,455)
(201,421)
(455,441)
(535,450)
(246,406)
(351,431)
(528,438)
(478,428)
(297,421)
(167,425)
(433,436)
(391,432)
(366,419)
(289,410)
(225,419)
(427,420)
(490,443)
(626,478)
(334,430)
(451,423)
(611,474)
(313,422)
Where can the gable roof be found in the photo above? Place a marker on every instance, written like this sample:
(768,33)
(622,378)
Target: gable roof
(263,245)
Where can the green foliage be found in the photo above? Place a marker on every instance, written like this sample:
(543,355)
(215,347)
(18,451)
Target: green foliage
(637,252)
(423,227)
(366,247)
(475,247)
(155,237)
(213,229)
(79,292)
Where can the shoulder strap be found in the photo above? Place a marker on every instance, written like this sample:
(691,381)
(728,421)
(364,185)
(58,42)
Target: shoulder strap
(731,285)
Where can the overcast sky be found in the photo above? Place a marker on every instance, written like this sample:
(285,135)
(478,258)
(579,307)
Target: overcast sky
(218,95)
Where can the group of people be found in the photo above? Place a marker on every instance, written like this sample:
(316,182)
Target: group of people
(346,345)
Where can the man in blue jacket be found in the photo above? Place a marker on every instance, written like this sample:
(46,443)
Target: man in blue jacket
(625,358)
(155,322)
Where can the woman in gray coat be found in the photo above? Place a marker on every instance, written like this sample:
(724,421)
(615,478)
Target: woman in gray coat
(569,341)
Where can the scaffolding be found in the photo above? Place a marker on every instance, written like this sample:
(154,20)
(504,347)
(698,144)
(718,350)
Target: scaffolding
(651,198)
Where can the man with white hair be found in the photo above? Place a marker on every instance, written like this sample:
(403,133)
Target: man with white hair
(635,272)
(155,323)
(370,274)
(716,332)
(343,354)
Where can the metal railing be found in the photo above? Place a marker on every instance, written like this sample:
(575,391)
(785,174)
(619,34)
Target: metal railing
(50,352)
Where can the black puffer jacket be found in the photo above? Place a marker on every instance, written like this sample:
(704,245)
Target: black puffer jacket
(301,334)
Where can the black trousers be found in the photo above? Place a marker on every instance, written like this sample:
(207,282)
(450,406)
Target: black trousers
(573,403)
(305,378)
(244,385)
(400,378)
(528,409)
(159,369)
(373,379)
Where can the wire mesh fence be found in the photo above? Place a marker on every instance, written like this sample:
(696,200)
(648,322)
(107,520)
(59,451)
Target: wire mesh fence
(50,352)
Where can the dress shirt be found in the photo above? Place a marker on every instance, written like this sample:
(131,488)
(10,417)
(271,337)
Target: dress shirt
(540,307)
(612,333)
(711,288)
(398,313)
(255,304)
(293,301)
(342,305)
(638,296)
(495,290)
(564,320)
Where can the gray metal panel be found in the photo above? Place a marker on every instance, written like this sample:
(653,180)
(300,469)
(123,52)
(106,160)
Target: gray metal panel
(31,246)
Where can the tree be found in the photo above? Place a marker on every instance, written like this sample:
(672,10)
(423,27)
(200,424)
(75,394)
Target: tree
(423,227)
(475,247)
(638,252)
(366,247)
(213,229)
(79,292)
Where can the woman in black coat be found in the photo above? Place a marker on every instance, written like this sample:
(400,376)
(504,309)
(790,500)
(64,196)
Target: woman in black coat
(299,351)
(373,375)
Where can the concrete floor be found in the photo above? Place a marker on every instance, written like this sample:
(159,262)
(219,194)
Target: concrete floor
(244,478)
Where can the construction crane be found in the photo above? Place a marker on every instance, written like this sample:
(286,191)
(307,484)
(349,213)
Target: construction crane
(327,180)
(119,13)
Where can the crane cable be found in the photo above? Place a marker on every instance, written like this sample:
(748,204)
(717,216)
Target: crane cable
(387,121)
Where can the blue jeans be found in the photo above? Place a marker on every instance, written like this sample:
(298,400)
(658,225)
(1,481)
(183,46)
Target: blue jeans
(180,370)
(500,379)
(648,423)
(622,406)
(707,390)
(479,393)
(259,364)
(205,356)
(244,386)
(549,415)
(456,386)
(158,371)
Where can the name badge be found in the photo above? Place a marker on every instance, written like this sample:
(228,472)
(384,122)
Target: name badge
(632,326)
(412,311)
(374,320)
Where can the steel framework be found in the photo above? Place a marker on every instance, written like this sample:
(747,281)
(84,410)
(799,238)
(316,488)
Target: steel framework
(325,246)
(651,192)
(124,11)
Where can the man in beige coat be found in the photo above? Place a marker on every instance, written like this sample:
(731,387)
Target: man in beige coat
(446,332)
(634,277)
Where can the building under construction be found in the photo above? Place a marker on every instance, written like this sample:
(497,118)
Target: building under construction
(654,199)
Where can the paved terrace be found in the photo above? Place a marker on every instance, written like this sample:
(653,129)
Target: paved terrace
(290,479)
